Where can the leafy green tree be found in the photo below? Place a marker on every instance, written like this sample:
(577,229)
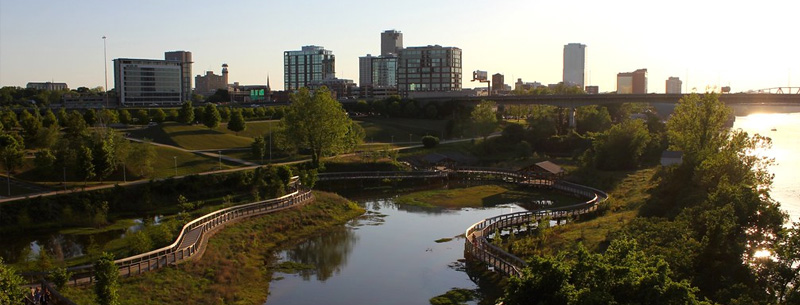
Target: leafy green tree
(696,126)
(106,275)
(513,133)
(85,164)
(62,117)
(285,174)
(484,119)
(59,277)
(30,128)
(44,161)
(141,158)
(430,141)
(622,146)
(49,118)
(781,272)
(159,115)
(90,116)
(224,114)
(125,116)
(141,117)
(103,156)
(47,136)
(11,151)
(211,117)
(11,289)
(592,119)
(319,124)
(259,148)
(76,125)
(186,113)
(108,116)
(198,114)
(237,123)
(9,119)
(308,177)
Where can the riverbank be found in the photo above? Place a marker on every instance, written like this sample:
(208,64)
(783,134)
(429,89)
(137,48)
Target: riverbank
(238,263)
(484,196)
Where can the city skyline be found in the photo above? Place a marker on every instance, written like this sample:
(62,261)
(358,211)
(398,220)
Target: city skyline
(714,44)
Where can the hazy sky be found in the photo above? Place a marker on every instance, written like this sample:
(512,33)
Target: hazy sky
(722,43)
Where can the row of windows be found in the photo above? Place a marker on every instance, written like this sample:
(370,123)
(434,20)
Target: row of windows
(428,70)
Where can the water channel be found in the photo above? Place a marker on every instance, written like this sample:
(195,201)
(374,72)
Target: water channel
(389,256)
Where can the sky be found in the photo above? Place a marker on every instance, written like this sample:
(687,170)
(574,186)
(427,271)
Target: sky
(706,44)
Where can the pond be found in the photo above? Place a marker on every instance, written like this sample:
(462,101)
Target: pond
(394,254)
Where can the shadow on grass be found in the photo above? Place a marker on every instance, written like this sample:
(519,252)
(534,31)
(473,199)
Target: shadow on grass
(155,133)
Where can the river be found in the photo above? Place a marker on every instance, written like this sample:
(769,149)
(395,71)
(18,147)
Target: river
(390,256)
(784,129)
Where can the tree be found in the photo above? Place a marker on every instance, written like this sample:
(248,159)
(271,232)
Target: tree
(62,117)
(44,161)
(11,289)
(85,166)
(49,118)
(484,119)
(109,116)
(103,156)
(11,151)
(430,141)
(142,117)
(211,116)
(284,172)
(224,114)
(125,116)
(198,114)
(186,114)
(142,157)
(76,125)
(622,146)
(106,276)
(90,116)
(319,124)
(30,127)
(9,119)
(592,119)
(237,123)
(159,115)
(258,147)
(696,126)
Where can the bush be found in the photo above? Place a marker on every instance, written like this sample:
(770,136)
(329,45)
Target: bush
(430,141)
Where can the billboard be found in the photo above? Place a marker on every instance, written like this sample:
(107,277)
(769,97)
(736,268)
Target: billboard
(479,75)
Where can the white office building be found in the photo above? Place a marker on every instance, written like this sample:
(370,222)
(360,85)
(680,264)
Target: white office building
(148,82)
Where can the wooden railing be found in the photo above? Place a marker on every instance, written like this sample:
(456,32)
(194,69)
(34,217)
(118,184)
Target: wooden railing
(192,237)
(381,175)
(478,247)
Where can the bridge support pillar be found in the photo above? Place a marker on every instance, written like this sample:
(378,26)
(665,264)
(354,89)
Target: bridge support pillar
(572,112)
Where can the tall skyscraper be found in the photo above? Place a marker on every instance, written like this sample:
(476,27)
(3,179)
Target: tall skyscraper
(430,68)
(498,82)
(185,59)
(311,63)
(574,64)
(384,71)
(674,85)
(147,82)
(365,70)
(391,42)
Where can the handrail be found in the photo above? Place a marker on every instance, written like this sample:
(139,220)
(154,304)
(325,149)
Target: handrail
(479,247)
(174,252)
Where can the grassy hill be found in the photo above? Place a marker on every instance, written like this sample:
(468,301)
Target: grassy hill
(194,137)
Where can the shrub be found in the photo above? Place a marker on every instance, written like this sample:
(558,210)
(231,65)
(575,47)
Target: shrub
(430,141)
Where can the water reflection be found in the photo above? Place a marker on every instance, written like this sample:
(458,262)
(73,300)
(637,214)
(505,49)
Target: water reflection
(328,253)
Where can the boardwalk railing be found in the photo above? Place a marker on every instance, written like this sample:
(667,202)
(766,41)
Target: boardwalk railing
(478,247)
(380,175)
(191,239)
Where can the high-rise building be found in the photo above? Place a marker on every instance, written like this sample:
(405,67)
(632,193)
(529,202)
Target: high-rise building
(632,82)
(208,84)
(365,70)
(498,82)
(311,63)
(391,42)
(384,71)
(148,82)
(49,86)
(430,68)
(674,85)
(185,59)
(574,64)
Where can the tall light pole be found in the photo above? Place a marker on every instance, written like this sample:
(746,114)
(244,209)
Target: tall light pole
(175,158)
(219,153)
(105,70)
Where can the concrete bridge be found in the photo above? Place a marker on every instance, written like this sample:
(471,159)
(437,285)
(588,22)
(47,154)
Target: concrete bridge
(603,99)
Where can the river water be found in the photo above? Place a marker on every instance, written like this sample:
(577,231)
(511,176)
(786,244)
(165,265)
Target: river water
(389,256)
(783,127)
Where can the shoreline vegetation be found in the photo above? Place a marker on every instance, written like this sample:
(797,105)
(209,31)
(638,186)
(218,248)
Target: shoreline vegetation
(238,264)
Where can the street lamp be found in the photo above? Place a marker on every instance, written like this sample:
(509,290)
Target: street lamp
(409,139)
(105,70)
(175,158)
(219,153)
(392,139)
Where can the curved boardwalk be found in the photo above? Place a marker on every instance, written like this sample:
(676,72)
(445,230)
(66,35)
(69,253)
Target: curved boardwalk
(477,246)
(194,235)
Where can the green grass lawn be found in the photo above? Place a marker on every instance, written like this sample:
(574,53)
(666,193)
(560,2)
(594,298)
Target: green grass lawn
(398,129)
(194,137)
(188,163)
(254,129)
(481,196)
